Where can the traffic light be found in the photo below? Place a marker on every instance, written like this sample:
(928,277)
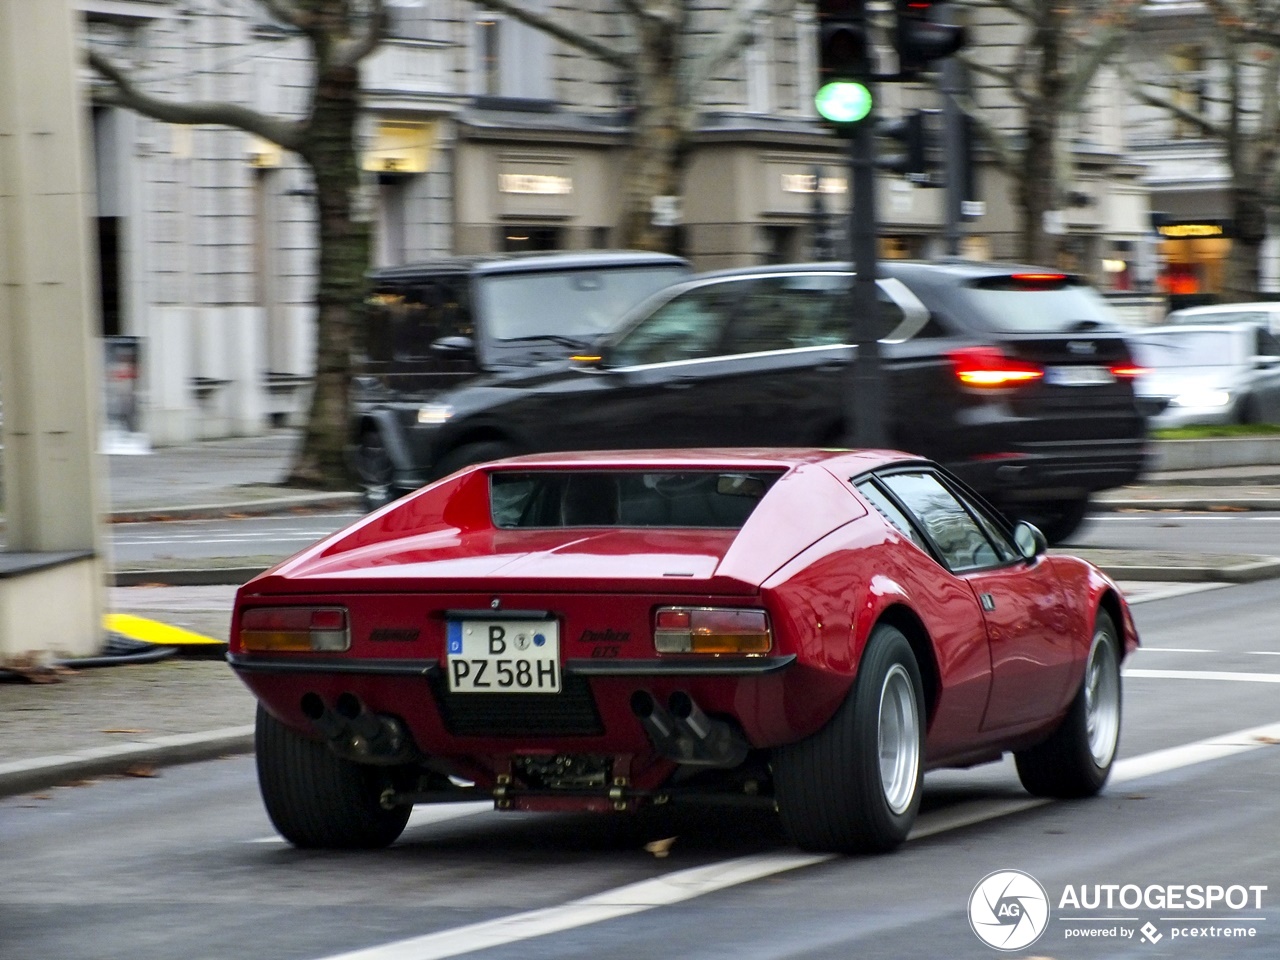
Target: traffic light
(844,61)
(921,39)
(913,134)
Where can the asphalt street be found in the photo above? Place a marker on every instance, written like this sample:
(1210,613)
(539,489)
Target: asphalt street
(186,864)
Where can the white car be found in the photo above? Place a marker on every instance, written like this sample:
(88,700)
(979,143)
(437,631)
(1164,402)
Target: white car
(1264,313)
(1209,374)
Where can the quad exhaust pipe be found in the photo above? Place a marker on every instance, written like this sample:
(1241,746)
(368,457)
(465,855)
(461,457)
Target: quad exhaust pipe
(682,732)
(355,733)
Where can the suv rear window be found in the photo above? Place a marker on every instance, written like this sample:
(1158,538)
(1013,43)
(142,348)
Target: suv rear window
(580,304)
(626,498)
(1039,303)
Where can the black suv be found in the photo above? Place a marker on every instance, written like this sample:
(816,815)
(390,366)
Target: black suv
(434,328)
(1018,378)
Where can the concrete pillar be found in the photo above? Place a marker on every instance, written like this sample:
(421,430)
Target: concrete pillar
(51,576)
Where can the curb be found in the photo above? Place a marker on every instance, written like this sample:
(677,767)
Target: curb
(1188,504)
(1252,572)
(40,773)
(215,511)
(207,577)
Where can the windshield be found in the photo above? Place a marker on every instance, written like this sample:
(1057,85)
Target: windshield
(1060,305)
(578,304)
(1208,348)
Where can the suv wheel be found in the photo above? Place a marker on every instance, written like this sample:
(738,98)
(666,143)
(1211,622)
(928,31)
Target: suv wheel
(373,470)
(1057,519)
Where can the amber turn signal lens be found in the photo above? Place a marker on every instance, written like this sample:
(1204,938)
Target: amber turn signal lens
(712,630)
(294,629)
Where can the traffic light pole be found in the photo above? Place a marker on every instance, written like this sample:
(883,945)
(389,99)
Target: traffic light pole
(864,393)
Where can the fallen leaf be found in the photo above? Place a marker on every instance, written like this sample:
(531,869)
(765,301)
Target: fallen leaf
(1227,508)
(141,770)
(79,783)
(124,730)
(1137,796)
(1268,740)
(659,848)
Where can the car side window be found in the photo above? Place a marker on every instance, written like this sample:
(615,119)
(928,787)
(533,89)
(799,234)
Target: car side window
(1268,345)
(961,541)
(789,311)
(687,327)
(889,510)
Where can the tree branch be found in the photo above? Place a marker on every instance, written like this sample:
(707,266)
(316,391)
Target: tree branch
(1006,78)
(1203,123)
(287,134)
(739,35)
(286,12)
(587,45)
(352,51)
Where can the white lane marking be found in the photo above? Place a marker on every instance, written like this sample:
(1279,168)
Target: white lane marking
(1264,653)
(1201,675)
(620,902)
(1146,649)
(422,815)
(1144,591)
(697,881)
(1214,748)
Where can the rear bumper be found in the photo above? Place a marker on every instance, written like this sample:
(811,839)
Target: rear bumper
(1054,470)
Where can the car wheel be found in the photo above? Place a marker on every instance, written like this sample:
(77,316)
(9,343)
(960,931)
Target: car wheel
(373,470)
(317,799)
(469,454)
(1247,411)
(1057,519)
(1076,760)
(854,786)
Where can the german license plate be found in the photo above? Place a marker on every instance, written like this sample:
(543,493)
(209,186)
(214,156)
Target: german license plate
(1081,376)
(503,656)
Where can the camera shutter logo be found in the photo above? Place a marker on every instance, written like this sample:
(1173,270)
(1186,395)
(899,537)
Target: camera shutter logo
(1008,910)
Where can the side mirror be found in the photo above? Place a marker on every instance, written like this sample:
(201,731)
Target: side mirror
(1265,362)
(1029,540)
(451,346)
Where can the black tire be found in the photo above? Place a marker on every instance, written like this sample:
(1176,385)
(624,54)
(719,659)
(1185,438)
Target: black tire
(1057,519)
(831,787)
(1248,411)
(373,469)
(317,799)
(471,453)
(1076,760)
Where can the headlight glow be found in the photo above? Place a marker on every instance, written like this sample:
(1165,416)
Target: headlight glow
(1202,398)
(434,413)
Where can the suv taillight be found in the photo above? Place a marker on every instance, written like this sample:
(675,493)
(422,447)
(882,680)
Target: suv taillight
(989,368)
(1127,371)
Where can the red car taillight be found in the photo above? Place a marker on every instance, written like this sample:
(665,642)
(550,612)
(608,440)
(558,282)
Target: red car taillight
(301,629)
(711,630)
(989,368)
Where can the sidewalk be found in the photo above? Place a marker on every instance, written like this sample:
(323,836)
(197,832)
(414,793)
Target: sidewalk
(129,720)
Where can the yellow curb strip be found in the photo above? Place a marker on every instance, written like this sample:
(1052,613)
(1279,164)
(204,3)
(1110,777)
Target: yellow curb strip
(153,631)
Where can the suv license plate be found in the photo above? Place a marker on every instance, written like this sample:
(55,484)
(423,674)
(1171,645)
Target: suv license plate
(503,656)
(1083,376)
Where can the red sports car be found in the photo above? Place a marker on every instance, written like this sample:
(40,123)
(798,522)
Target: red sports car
(598,631)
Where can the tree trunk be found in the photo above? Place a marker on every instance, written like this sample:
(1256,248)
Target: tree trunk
(344,249)
(657,136)
(1038,186)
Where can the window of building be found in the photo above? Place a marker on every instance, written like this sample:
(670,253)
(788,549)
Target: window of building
(1188,73)
(510,58)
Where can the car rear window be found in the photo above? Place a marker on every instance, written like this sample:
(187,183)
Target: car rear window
(626,498)
(1039,303)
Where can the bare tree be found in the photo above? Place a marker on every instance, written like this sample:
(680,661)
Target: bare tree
(339,33)
(664,65)
(1053,55)
(1242,112)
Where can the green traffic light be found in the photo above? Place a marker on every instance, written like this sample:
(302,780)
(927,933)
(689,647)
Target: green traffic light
(843,101)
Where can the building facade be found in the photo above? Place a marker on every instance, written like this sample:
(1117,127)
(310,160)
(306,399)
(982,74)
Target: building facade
(483,134)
